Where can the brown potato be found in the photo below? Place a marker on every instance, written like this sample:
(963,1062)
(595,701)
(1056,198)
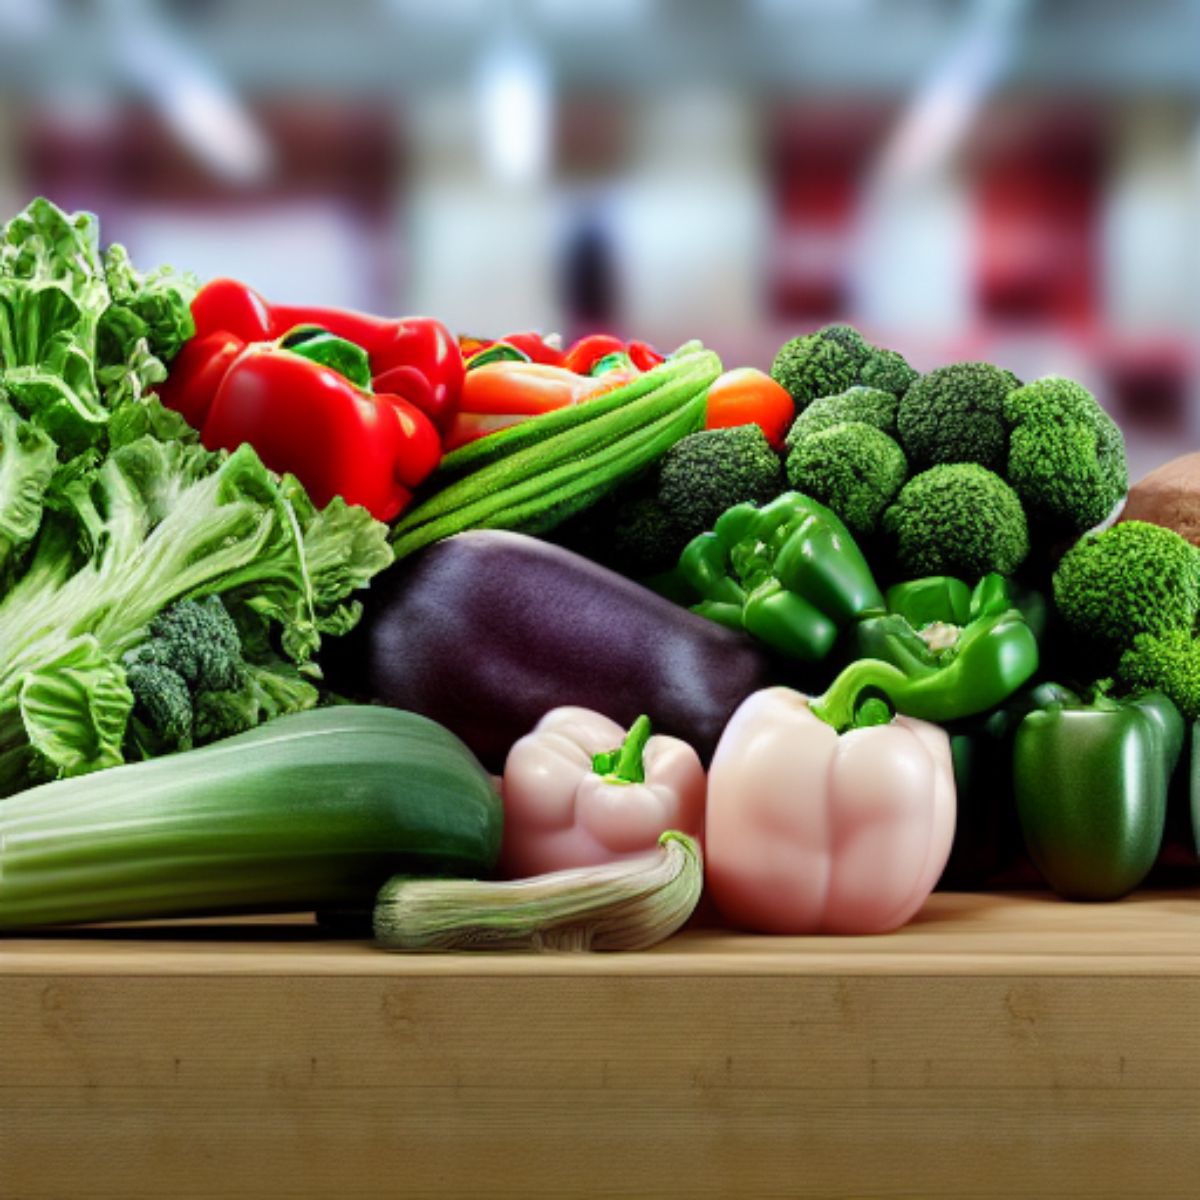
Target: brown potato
(1169,496)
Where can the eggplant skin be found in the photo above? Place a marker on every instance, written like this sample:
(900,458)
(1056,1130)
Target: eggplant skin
(488,630)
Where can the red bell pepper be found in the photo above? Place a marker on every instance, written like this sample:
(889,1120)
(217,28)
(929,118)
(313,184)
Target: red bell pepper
(414,357)
(301,415)
(582,356)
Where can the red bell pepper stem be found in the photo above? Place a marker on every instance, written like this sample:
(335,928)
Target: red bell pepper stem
(228,306)
(587,351)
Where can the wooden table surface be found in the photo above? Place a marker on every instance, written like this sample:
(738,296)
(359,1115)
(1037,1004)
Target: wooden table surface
(1000,1046)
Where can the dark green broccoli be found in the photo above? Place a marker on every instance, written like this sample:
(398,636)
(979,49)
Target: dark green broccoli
(1066,456)
(707,472)
(873,406)
(853,468)
(957,519)
(1134,578)
(955,414)
(198,640)
(643,538)
(162,701)
(820,364)
(889,370)
(192,648)
(1169,662)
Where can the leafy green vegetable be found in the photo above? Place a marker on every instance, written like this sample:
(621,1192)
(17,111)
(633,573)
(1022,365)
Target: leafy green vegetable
(156,523)
(113,519)
(82,334)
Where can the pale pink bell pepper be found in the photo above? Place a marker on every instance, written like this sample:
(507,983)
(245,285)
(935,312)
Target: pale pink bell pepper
(812,831)
(579,791)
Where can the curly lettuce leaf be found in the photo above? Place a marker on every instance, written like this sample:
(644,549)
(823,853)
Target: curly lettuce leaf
(28,461)
(82,335)
(154,523)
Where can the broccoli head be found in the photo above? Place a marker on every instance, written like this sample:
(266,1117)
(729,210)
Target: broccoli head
(854,468)
(162,702)
(955,414)
(1168,662)
(1134,578)
(872,406)
(1066,456)
(889,371)
(957,519)
(191,649)
(820,364)
(705,473)
(198,640)
(643,539)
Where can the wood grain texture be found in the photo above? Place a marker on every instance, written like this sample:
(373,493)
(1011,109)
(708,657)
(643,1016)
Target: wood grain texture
(1000,1047)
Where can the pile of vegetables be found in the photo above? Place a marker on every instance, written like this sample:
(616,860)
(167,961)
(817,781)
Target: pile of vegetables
(501,643)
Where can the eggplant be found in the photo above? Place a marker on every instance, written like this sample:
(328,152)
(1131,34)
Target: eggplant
(488,630)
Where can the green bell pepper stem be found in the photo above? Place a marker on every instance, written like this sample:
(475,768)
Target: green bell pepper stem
(992,658)
(1090,782)
(625,764)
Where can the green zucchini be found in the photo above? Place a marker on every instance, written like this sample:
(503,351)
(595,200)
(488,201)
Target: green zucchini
(314,810)
(534,488)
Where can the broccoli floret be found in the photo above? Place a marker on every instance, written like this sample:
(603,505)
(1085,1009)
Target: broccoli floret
(853,468)
(1135,578)
(873,406)
(644,539)
(192,651)
(888,370)
(1066,456)
(198,639)
(1169,662)
(707,472)
(162,702)
(820,364)
(956,414)
(957,519)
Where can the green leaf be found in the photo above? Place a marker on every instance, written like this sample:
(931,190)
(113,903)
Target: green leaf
(75,708)
(28,460)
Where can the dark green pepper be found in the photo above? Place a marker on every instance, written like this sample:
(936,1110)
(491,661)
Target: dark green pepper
(943,651)
(788,573)
(989,849)
(1090,781)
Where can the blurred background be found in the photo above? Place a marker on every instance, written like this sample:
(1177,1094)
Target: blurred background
(1016,180)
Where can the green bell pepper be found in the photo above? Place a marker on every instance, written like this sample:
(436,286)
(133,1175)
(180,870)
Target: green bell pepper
(943,651)
(788,573)
(989,849)
(1090,781)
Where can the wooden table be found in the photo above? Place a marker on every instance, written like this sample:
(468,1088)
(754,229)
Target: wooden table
(999,1047)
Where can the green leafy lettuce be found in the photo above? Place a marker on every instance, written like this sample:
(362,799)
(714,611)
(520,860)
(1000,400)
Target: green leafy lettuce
(111,511)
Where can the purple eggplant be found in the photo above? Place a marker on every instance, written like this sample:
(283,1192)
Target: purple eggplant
(486,631)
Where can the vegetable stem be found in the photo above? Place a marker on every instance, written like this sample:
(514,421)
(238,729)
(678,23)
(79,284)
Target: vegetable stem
(628,905)
(624,764)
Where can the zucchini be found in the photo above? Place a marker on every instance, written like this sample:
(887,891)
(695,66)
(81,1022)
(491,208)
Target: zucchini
(315,809)
(536,487)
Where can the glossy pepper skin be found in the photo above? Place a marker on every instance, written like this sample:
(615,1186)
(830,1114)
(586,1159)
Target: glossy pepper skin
(788,573)
(581,790)
(307,418)
(414,357)
(944,651)
(813,829)
(1090,781)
